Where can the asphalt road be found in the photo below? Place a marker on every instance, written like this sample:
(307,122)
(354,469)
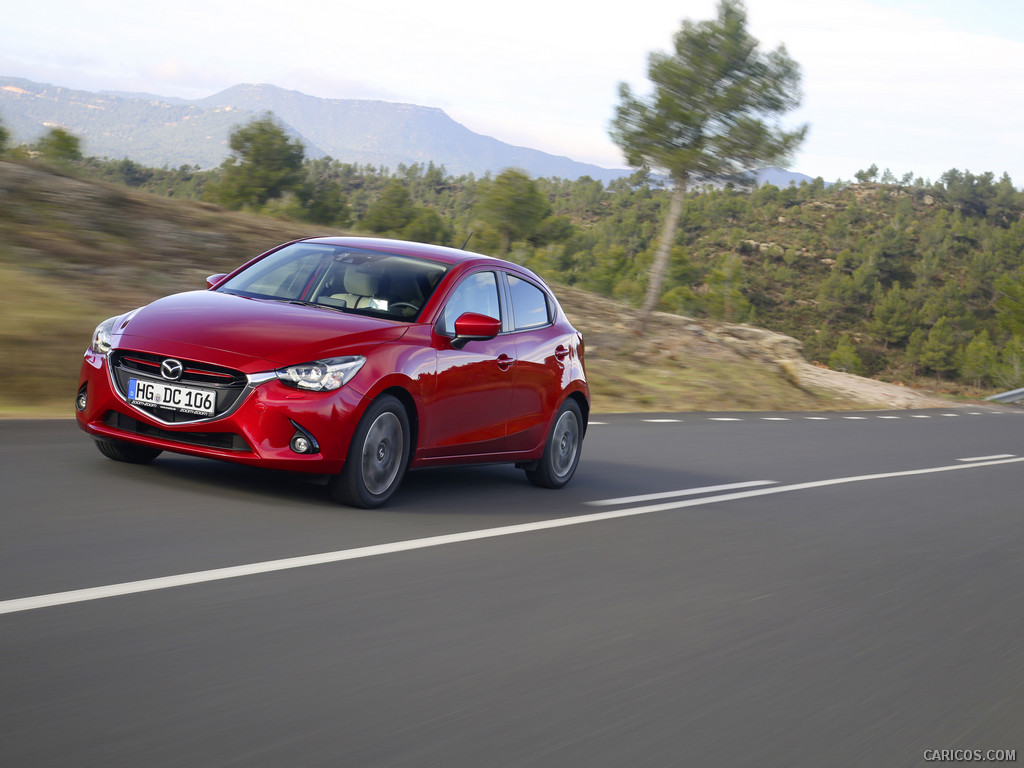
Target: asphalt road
(711,590)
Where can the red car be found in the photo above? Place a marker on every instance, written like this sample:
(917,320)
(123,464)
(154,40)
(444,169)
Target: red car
(356,358)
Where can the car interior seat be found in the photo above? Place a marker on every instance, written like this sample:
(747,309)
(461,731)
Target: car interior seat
(362,288)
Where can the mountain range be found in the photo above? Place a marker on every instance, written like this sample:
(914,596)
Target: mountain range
(158,131)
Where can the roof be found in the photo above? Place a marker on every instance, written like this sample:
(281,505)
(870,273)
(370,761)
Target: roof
(439,253)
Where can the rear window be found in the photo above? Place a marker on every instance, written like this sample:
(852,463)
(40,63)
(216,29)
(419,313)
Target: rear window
(530,306)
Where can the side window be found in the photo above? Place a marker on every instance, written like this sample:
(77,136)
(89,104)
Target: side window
(477,293)
(529,304)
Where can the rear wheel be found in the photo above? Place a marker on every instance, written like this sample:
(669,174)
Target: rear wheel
(377,458)
(129,452)
(562,451)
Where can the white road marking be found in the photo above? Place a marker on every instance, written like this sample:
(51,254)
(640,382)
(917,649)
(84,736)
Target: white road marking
(821,418)
(672,494)
(989,458)
(147,585)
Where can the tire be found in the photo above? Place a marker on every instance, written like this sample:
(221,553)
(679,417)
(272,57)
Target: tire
(377,457)
(562,450)
(127,452)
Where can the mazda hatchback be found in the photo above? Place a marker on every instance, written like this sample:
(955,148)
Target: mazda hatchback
(354,358)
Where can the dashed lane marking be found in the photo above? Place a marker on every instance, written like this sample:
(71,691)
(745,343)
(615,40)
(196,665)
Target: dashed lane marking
(673,494)
(889,417)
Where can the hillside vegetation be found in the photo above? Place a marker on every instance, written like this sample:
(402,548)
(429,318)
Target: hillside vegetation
(75,251)
(906,280)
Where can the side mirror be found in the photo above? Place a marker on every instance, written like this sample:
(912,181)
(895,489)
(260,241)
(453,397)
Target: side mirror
(471,326)
(212,280)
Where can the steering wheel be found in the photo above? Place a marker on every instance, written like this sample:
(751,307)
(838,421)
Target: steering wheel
(403,304)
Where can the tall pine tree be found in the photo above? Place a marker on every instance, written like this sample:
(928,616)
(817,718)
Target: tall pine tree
(713,113)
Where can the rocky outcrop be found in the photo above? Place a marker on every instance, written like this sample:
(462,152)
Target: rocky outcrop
(786,354)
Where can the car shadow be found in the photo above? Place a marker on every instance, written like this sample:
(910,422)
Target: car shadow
(235,481)
(452,490)
(469,488)
(480,491)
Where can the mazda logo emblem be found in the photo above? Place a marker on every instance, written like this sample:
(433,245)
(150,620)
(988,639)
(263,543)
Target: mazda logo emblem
(171,369)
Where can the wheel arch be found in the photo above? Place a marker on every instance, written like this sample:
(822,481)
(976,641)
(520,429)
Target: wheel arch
(584,405)
(412,414)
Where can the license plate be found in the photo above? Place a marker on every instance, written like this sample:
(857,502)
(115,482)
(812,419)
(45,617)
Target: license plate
(191,400)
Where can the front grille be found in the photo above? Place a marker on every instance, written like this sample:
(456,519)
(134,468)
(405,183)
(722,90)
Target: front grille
(194,373)
(229,384)
(225,441)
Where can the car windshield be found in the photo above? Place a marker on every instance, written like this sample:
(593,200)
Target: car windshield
(339,278)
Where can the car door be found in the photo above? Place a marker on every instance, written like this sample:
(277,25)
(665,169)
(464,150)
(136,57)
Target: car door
(540,352)
(469,413)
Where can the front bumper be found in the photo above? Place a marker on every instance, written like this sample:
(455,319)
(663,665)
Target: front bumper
(257,431)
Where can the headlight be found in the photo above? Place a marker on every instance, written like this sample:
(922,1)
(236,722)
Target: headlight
(323,375)
(101,341)
(102,337)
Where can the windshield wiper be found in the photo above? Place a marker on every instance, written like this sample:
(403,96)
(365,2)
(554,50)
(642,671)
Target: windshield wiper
(303,303)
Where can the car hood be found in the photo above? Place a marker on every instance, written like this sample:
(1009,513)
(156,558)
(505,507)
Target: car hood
(248,334)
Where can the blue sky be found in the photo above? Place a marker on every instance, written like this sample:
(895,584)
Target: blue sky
(916,86)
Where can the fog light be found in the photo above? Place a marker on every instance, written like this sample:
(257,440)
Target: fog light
(81,401)
(302,441)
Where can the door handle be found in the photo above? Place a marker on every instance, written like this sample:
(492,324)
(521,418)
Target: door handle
(505,362)
(561,352)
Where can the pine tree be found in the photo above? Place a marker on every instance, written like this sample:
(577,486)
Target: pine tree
(514,205)
(60,146)
(713,113)
(845,358)
(979,359)
(264,164)
(1010,371)
(939,350)
(892,317)
(392,211)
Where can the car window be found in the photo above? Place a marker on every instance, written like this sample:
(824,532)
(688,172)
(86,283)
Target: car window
(529,304)
(477,293)
(385,285)
(282,275)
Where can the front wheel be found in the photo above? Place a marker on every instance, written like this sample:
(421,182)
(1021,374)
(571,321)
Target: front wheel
(562,450)
(377,458)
